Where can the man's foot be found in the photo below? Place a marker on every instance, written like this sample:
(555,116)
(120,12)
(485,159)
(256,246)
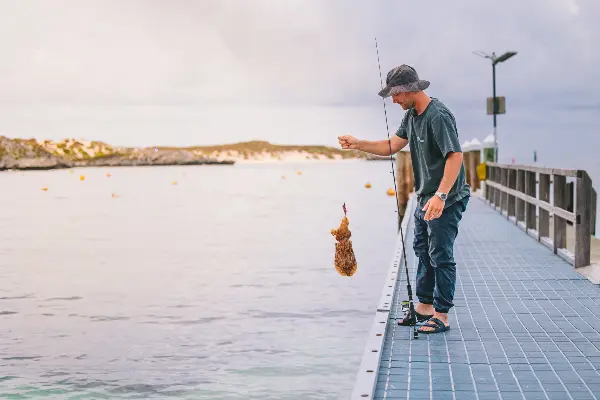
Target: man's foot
(424,309)
(437,323)
(424,312)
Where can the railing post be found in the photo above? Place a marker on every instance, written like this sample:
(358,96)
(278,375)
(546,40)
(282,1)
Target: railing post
(593,217)
(512,184)
(493,190)
(530,209)
(560,225)
(520,203)
(544,218)
(488,189)
(504,208)
(583,213)
(499,195)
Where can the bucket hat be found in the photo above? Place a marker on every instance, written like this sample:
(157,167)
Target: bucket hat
(403,79)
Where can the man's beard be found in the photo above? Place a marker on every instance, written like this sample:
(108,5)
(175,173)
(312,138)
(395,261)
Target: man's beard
(407,105)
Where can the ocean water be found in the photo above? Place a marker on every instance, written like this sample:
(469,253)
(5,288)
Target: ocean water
(200,282)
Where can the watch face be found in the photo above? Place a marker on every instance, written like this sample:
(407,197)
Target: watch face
(443,196)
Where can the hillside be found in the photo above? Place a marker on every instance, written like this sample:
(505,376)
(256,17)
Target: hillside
(264,151)
(27,154)
(67,153)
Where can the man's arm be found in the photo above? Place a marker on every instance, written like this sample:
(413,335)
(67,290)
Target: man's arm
(446,137)
(454,161)
(382,147)
(379,147)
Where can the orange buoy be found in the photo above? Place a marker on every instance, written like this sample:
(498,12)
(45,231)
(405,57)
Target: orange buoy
(368,185)
(299,172)
(108,174)
(82,178)
(391,192)
(45,189)
(174,182)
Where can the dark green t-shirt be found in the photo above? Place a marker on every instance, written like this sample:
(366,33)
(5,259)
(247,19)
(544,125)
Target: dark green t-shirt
(431,136)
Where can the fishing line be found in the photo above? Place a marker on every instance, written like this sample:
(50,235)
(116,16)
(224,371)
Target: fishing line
(408,286)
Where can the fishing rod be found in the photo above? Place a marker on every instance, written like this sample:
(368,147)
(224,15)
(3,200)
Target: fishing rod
(411,306)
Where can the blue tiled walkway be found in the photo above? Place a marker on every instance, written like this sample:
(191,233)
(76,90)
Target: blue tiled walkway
(524,325)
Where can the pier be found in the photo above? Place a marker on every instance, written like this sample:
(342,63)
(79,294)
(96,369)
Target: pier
(526,320)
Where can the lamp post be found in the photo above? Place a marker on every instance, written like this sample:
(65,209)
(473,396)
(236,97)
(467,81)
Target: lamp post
(495,60)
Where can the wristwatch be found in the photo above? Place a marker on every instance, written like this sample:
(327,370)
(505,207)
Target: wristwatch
(441,195)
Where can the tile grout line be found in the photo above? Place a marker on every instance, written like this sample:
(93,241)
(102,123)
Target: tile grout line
(585,319)
(480,340)
(491,326)
(534,340)
(392,336)
(464,346)
(570,364)
(512,334)
(429,362)
(410,340)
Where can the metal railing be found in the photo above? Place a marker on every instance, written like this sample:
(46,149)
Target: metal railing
(533,197)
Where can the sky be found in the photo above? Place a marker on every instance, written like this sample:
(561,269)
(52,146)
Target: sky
(179,72)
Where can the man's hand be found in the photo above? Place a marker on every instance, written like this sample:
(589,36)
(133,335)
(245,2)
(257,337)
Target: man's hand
(434,208)
(378,147)
(348,142)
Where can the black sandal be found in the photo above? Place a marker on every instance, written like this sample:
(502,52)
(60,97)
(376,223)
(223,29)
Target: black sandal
(407,320)
(438,326)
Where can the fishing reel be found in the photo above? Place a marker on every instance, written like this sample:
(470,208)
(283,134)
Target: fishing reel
(405,307)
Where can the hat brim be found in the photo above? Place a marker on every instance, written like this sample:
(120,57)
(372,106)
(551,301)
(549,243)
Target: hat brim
(409,87)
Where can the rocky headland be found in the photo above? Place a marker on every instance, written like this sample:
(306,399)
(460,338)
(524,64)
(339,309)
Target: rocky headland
(26,154)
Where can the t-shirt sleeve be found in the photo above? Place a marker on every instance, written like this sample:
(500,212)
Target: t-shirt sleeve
(402,131)
(445,134)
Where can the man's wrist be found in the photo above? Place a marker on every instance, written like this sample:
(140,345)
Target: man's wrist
(442,195)
(359,145)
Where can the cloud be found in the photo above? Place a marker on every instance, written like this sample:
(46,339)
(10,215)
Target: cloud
(291,71)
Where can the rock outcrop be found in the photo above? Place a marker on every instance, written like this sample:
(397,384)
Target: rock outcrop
(33,154)
(68,153)
(28,154)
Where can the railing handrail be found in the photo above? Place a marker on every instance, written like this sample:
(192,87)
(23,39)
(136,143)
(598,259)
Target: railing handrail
(543,170)
(523,193)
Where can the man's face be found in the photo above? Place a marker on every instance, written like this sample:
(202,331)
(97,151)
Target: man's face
(406,100)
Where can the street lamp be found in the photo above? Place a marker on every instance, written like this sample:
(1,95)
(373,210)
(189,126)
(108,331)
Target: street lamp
(495,60)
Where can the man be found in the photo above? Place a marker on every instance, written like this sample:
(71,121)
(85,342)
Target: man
(442,192)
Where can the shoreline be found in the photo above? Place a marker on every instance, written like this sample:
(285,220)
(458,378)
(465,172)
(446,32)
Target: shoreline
(182,164)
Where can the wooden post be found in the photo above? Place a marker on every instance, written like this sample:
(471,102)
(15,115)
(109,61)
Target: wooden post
(520,203)
(405,180)
(400,177)
(491,175)
(504,201)
(544,221)
(570,199)
(530,209)
(560,225)
(467,166)
(498,193)
(583,213)
(488,189)
(512,183)
(594,206)
(409,173)
(471,161)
